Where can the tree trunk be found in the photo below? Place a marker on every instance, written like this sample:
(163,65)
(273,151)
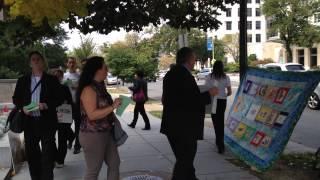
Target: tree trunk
(289,52)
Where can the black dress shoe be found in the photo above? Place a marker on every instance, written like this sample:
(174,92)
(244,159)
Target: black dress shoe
(146,128)
(131,125)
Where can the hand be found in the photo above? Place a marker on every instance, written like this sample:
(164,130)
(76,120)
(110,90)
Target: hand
(214,91)
(26,112)
(43,106)
(116,103)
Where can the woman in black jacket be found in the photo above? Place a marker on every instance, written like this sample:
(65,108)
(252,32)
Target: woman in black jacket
(140,86)
(44,91)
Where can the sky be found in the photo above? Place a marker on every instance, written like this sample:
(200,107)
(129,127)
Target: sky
(99,39)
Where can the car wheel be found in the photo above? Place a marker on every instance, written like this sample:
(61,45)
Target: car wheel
(313,102)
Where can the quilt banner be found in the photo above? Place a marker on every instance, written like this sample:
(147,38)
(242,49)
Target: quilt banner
(266,108)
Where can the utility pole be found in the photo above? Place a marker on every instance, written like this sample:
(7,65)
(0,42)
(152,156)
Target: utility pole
(243,39)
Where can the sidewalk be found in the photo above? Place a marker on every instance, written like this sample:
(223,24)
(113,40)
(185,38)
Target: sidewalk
(148,152)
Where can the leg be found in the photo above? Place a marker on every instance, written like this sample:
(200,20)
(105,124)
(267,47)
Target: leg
(144,115)
(94,149)
(70,136)
(112,158)
(218,121)
(135,116)
(32,149)
(48,153)
(62,142)
(185,151)
(77,122)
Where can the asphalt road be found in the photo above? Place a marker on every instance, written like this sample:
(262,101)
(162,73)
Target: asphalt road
(306,132)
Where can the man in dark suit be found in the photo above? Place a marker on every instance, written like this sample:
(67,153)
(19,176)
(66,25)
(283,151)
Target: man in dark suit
(183,113)
(40,124)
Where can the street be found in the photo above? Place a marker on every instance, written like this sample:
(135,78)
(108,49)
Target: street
(306,132)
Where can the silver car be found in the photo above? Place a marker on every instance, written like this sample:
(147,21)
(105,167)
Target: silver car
(313,102)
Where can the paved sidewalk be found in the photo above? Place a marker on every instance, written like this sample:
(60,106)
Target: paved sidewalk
(148,152)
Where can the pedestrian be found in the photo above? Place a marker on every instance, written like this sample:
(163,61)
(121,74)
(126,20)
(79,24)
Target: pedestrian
(183,113)
(219,79)
(42,92)
(140,88)
(97,119)
(71,79)
(63,127)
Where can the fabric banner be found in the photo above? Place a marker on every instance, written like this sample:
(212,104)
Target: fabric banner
(266,108)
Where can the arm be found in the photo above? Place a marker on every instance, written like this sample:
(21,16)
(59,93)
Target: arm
(229,91)
(16,98)
(88,97)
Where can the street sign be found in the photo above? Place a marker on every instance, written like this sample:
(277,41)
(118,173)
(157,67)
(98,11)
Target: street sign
(209,44)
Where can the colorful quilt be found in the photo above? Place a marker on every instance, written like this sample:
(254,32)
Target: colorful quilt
(266,108)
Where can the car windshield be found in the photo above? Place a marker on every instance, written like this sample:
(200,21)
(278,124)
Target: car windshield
(295,67)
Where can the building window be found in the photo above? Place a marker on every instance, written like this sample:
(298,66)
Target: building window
(228,12)
(258,38)
(257,1)
(313,57)
(249,25)
(249,12)
(249,38)
(249,1)
(258,25)
(258,12)
(238,12)
(316,18)
(301,56)
(228,25)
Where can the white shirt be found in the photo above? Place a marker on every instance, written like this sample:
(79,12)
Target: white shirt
(72,81)
(221,84)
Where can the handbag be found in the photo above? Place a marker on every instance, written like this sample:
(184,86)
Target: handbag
(119,135)
(139,96)
(16,117)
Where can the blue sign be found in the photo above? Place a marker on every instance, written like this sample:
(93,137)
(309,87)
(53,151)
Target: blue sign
(209,44)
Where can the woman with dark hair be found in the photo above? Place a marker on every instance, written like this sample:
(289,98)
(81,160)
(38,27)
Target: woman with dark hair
(43,92)
(140,86)
(97,118)
(219,79)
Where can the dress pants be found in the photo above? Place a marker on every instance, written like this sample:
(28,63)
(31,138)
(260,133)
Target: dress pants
(63,131)
(77,122)
(218,122)
(185,151)
(139,108)
(40,160)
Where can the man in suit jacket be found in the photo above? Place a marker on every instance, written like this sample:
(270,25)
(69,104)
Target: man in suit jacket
(183,113)
(41,124)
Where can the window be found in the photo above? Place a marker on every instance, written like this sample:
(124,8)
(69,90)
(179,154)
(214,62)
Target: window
(317,18)
(228,25)
(249,25)
(257,1)
(238,24)
(258,25)
(258,38)
(249,12)
(313,57)
(278,68)
(249,38)
(228,12)
(258,12)
(301,56)
(249,1)
(238,12)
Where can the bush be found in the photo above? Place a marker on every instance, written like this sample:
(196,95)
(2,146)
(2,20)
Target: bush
(6,73)
(260,62)
(252,57)
(232,67)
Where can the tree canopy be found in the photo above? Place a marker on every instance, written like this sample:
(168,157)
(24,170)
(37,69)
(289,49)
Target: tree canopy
(103,16)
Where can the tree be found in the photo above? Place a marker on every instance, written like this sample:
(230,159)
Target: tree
(231,42)
(86,49)
(219,50)
(104,16)
(291,19)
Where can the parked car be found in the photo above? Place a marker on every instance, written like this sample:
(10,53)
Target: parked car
(203,73)
(112,80)
(313,102)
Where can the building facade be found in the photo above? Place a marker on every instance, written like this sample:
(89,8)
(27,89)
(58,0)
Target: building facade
(261,44)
